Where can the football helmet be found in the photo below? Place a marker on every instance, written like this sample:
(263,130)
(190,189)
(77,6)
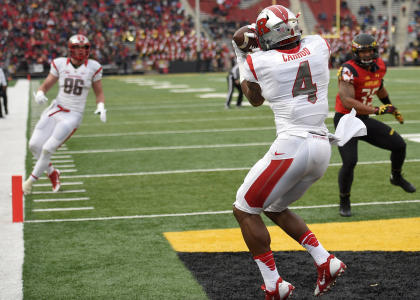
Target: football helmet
(79,47)
(364,41)
(277,26)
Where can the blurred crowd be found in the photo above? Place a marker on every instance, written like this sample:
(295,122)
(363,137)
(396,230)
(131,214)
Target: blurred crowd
(144,35)
(350,27)
(411,53)
(139,34)
(341,48)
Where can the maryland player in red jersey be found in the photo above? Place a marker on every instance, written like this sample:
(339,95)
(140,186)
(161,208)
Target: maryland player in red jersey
(359,79)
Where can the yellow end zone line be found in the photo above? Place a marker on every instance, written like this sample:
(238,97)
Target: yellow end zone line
(379,235)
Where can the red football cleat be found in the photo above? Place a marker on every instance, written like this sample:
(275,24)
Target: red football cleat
(327,274)
(283,290)
(55,180)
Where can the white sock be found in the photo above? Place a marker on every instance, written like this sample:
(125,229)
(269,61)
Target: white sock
(32,178)
(309,241)
(42,163)
(268,270)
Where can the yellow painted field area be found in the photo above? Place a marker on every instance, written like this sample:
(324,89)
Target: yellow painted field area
(379,235)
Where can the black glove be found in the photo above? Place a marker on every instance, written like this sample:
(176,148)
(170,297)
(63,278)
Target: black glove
(385,109)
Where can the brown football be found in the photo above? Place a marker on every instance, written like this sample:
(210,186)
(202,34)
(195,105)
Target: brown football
(244,42)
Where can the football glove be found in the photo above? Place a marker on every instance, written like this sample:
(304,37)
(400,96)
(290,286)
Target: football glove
(40,97)
(385,109)
(100,109)
(398,116)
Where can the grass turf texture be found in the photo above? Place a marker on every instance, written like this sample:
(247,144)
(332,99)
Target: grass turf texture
(130,259)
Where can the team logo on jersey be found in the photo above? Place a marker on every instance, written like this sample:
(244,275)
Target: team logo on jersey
(347,75)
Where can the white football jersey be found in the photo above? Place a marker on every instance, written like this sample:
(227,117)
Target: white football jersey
(74,83)
(295,83)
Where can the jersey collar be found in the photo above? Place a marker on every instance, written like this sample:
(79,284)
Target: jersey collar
(289,51)
(69,61)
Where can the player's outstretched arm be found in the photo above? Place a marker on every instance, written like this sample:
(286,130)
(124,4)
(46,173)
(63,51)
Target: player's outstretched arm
(40,97)
(100,100)
(252,91)
(347,96)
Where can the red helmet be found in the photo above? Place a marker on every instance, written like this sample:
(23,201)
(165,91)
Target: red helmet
(79,47)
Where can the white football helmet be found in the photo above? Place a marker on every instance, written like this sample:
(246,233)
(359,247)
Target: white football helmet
(79,47)
(277,26)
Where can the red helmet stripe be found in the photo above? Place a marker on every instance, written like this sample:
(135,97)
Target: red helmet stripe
(280,12)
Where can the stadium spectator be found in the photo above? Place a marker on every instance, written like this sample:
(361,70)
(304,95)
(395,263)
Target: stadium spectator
(354,92)
(75,74)
(288,68)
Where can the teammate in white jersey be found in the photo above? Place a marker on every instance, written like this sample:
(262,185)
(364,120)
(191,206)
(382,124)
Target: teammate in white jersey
(292,75)
(75,75)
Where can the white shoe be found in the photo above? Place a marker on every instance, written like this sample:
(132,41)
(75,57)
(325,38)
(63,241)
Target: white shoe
(27,187)
(283,290)
(327,274)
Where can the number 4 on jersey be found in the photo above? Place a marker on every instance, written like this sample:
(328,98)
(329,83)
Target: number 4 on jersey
(303,83)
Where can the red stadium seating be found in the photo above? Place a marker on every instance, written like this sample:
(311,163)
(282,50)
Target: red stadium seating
(236,12)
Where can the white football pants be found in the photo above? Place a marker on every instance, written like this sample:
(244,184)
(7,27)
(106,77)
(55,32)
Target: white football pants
(284,174)
(55,126)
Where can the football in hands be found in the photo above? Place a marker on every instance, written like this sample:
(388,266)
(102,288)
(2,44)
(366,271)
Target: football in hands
(246,39)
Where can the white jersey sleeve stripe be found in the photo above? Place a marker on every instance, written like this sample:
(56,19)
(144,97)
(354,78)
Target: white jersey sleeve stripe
(251,66)
(99,70)
(53,63)
(328,45)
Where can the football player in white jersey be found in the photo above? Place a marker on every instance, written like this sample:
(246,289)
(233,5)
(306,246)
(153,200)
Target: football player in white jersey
(292,74)
(75,75)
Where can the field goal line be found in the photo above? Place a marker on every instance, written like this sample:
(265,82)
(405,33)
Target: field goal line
(210,212)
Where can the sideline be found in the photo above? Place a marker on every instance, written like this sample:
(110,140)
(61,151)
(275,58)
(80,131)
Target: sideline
(12,154)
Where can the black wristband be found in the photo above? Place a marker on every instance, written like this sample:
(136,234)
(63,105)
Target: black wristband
(385,100)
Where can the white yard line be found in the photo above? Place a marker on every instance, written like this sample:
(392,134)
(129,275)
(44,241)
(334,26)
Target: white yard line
(60,192)
(168,148)
(192,90)
(62,199)
(63,166)
(63,209)
(173,132)
(271,128)
(209,170)
(60,156)
(185,120)
(68,170)
(62,161)
(62,183)
(167,121)
(165,148)
(151,107)
(212,212)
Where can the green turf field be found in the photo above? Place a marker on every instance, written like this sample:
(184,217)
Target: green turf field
(164,152)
